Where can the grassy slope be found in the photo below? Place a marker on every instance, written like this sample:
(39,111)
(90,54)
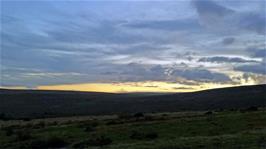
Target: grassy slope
(223,130)
(34,104)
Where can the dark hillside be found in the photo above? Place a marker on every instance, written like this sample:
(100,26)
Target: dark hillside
(33,103)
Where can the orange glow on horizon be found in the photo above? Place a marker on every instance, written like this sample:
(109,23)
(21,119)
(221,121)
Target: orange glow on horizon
(134,87)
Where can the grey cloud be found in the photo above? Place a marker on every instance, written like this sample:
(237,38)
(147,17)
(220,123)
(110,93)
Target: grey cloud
(220,59)
(208,7)
(226,20)
(210,13)
(257,68)
(254,22)
(198,74)
(228,41)
(138,72)
(255,52)
(258,79)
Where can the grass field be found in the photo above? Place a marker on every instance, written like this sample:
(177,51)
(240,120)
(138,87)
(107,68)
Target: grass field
(189,130)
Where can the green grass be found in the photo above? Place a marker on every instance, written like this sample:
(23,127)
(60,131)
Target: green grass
(222,130)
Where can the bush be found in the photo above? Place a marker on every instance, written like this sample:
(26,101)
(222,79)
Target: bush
(26,119)
(124,116)
(137,135)
(138,115)
(100,141)
(208,113)
(151,135)
(9,131)
(88,126)
(96,141)
(4,117)
(39,125)
(250,109)
(114,122)
(140,135)
(23,135)
(50,142)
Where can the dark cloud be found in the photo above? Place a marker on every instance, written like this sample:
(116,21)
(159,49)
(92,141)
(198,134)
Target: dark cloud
(211,14)
(134,72)
(198,74)
(253,22)
(256,68)
(228,41)
(208,7)
(220,59)
(226,20)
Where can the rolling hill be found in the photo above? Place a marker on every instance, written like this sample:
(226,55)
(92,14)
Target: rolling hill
(38,104)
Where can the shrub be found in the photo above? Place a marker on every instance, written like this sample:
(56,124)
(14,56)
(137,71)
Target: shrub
(251,109)
(100,141)
(23,135)
(41,124)
(88,126)
(96,141)
(125,116)
(26,119)
(151,135)
(137,135)
(140,135)
(208,113)
(138,115)
(4,117)
(9,131)
(50,142)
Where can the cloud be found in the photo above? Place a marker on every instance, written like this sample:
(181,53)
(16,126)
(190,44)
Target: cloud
(256,68)
(103,44)
(228,41)
(253,21)
(208,7)
(211,13)
(220,59)
(258,79)
(134,72)
(166,25)
(255,52)
(203,75)
(220,18)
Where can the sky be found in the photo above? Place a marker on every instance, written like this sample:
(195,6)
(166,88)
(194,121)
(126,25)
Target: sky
(132,46)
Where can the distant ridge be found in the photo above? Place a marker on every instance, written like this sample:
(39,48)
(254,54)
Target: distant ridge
(43,103)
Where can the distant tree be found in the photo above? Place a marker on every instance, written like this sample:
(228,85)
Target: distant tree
(249,109)
(138,115)
(3,116)
(208,113)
